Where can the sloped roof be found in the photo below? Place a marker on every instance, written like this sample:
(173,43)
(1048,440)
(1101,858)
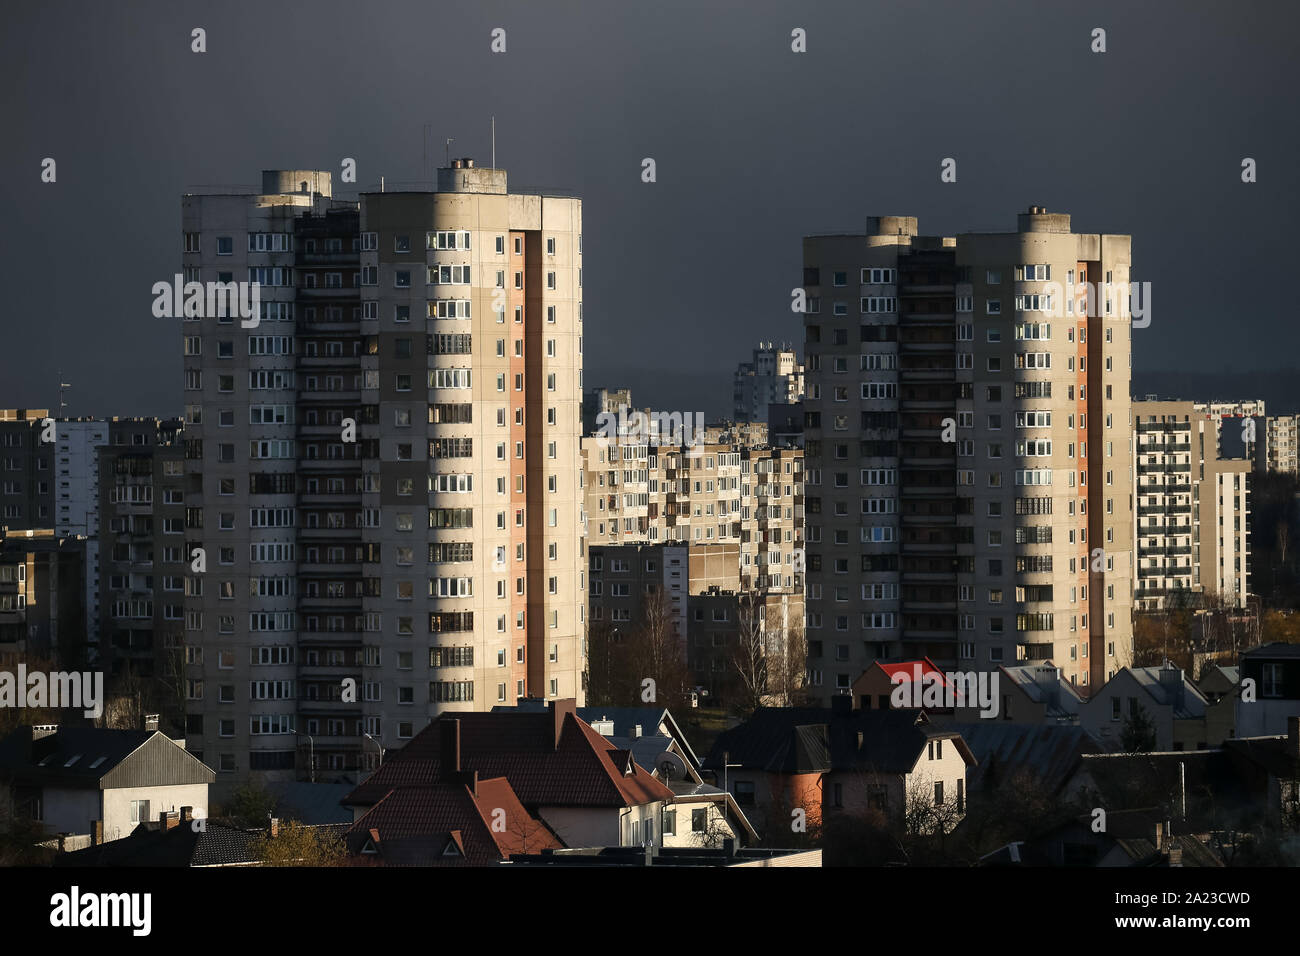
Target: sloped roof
(817,740)
(650,719)
(908,669)
(98,758)
(313,803)
(1062,699)
(643,749)
(1049,752)
(1279,649)
(449,824)
(147,845)
(1192,703)
(583,770)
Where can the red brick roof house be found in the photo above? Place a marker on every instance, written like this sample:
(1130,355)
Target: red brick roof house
(457,821)
(584,789)
(874,688)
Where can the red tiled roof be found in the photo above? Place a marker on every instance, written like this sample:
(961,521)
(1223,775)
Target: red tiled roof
(415,825)
(909,669)
(581,770)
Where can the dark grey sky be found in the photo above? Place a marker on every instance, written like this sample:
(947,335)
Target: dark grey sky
(756,146)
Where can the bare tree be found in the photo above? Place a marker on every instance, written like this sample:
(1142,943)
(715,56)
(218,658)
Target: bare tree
(750,657)
(788,667)
(659,653)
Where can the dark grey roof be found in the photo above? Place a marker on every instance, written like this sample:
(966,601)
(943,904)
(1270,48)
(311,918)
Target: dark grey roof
(1049,752)
(1275,649)
(217,845)
(1059,696)
(644,749)
(314,803)
(96,758)
(1189,704)
(624,719)
(815,739)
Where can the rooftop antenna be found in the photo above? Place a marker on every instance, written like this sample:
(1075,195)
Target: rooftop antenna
(62,386)
(494,142)
(448,144)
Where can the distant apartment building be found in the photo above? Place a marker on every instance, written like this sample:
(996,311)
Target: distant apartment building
(627,579)
(1192,508)
(602,401)
(48,480)
(360,518)
(1240,429)
(725,628)
(1283,443)
(966,446)
(42,595)
(74,504)
(140,541)
(722,491)
(26,469)
(773,376)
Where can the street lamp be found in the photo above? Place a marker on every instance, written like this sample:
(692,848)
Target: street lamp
(378,745)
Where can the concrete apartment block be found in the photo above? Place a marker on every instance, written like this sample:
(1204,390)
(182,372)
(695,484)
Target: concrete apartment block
(1193,508)
(773,376)
(1011,542)
(332,551)
(140,543)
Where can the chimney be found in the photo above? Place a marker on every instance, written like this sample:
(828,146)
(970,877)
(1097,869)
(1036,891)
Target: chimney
(96,832)
(636,732)
(450,750)
(168,820)
(187,814)
(150,723)
(274,827)
(1171,679)
(457,164)
(1293,737)
(559,710)
(469,163)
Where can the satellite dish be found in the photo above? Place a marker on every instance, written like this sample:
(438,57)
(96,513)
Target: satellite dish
(669,766)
